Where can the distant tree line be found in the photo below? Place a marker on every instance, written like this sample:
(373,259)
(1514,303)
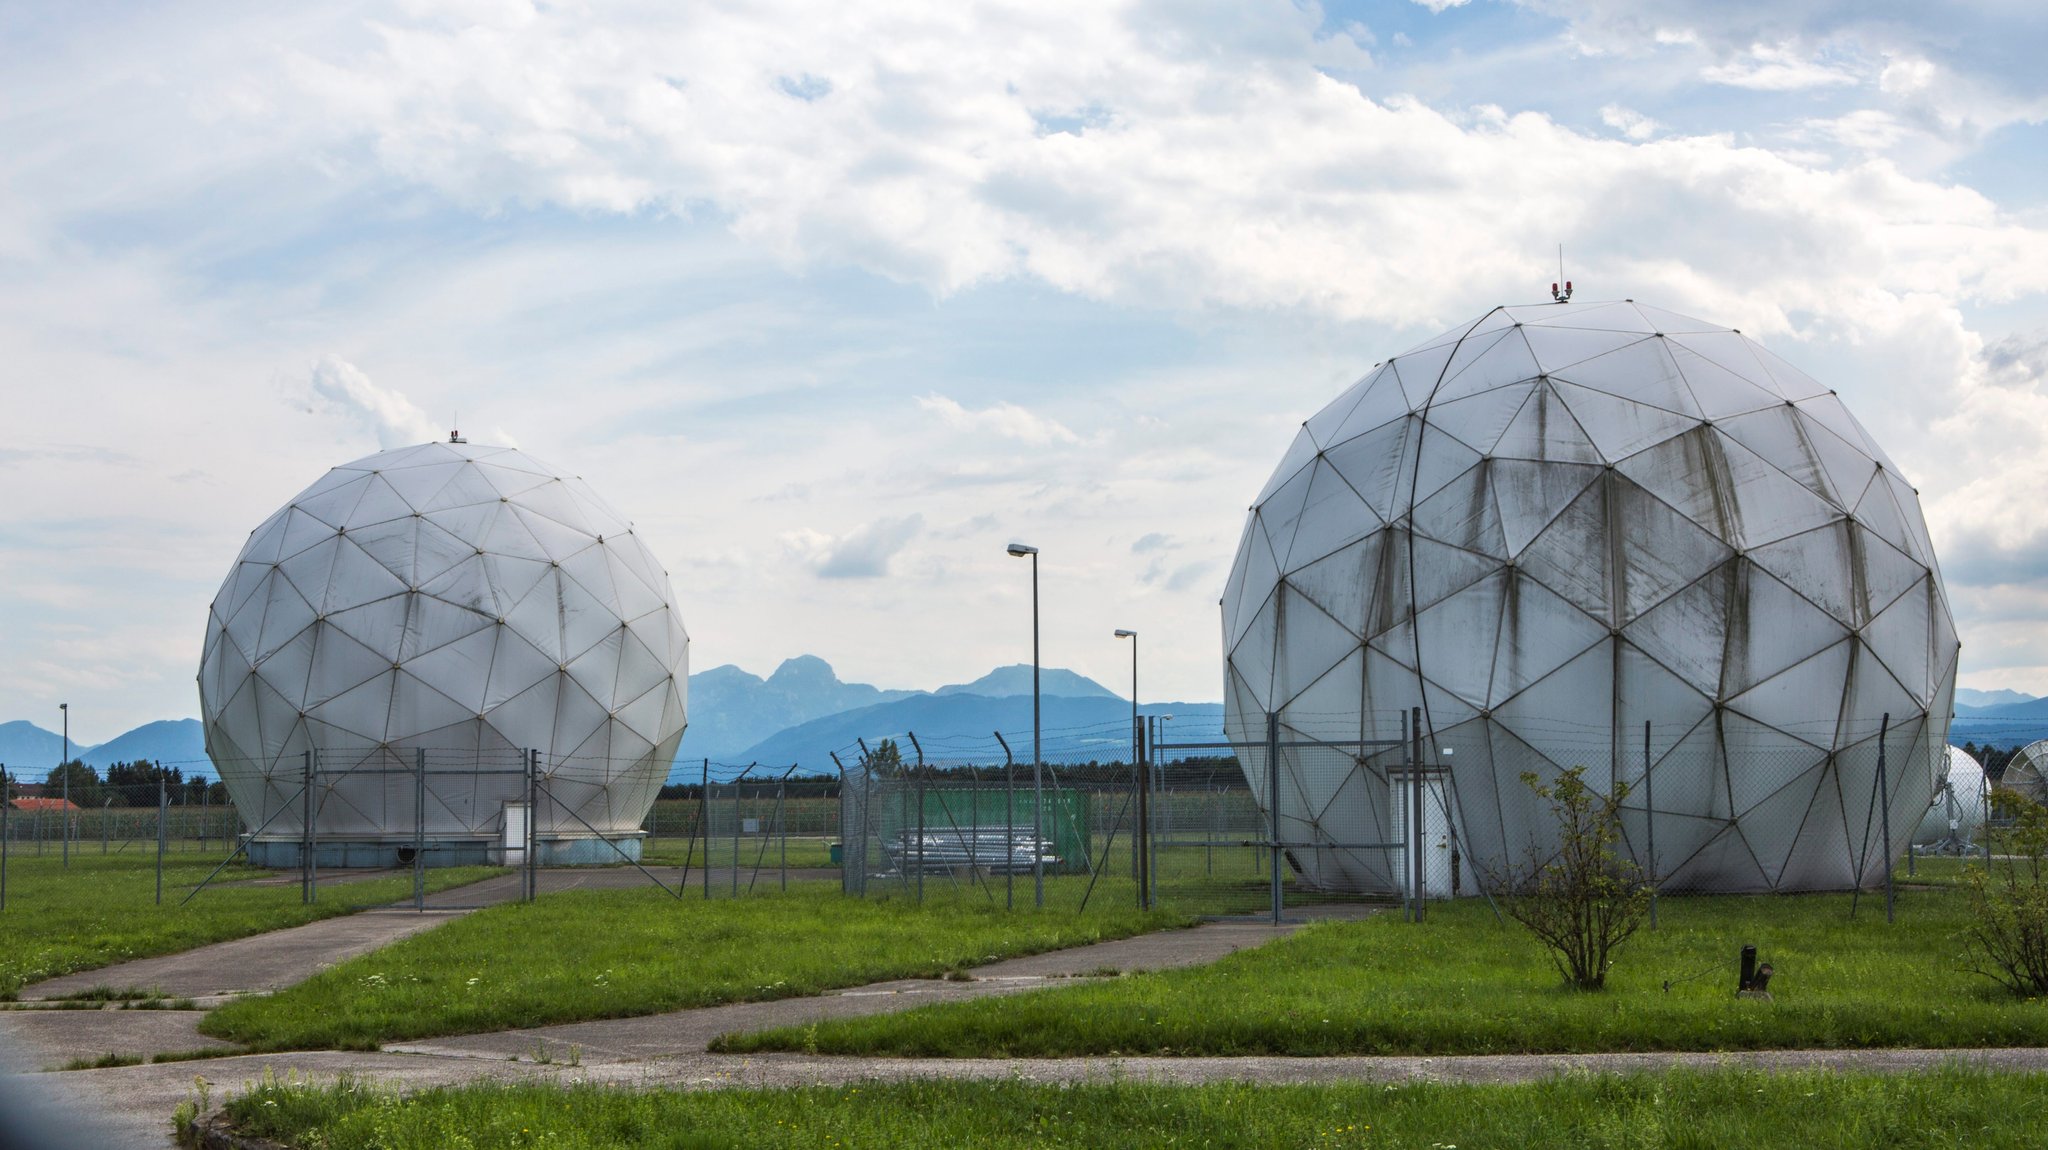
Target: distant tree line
(1993,759)
(127,784)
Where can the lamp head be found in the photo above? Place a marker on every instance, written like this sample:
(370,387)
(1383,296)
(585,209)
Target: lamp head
(1123,634)
(1021,549)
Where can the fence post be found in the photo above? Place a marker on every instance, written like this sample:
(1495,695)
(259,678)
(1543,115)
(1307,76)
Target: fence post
(6,805)
(1884,731)
(1650,819)
(1273,796)
(736,784)
(163,812)
(1010,824)
(782,824)
(419,828)
(1141,843)
(532,836)
(704,818)
(106,832)
(1415,780)
(306,827)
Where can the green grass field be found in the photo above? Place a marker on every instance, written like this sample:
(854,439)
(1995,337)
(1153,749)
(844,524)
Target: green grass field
(1680,1111)
(607,954)
(1463,984)
(102,909)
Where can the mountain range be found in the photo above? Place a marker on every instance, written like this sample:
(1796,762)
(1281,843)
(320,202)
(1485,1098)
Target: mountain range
(797,715)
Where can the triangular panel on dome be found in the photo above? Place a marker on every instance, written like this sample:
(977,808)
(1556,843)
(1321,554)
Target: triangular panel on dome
(1255,585)
(266,543)
(1898,637)
(285,614)
(1539,631)
(1391,687)
(1327,707)
(1421,371)
(642,713)
(363,711)
(1545,429)
(300,532)
(527,719)
(431,624)
(596,670)
(1827,410)
(1778,436)
(466,585)
(1332,518)
(1477,421)
(635,597)
(1908,500)
(1687,633)
(333,505)
(1817,564)
(1379,465)
(413,456)
(1772,824)
(1568,714)
(1873,693)
(1690,779)
(435,551)
(287,668)
(1648,692)
(1724,863)
(1443,707)
(459,669)
(357,577)
(1620,427)
(1343,583)
(552,500)
(1458,636)
(1570,556)
(471,523)
(1529,495)
(578,718)
(1462,514)
(1443,459)
(1642,371)
(512,578)
(380,504)
(418,707)
(1720,393)
(1279,512)
(1599,315)
(1821,856)
(465,487)
(1670,322)
(1777,629)
(309,571)
(596,513)
(585,620)
(1772,503)
(1252,657)
(1885,572)
(1484,363)
(1662,550)
(1442,570)
(509,479)
(1372,402)
(1728,489)
(1556,348)
(1801,699)
(538,617)
(1849,468)
(1729,350)
(1796,384)
(1311,642)
(663,635)
(340,665)
(1876,510)
(592,571)
(516,666)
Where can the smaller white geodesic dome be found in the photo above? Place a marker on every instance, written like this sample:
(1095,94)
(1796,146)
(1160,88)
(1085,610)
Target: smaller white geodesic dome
(1957,811)
(467,603)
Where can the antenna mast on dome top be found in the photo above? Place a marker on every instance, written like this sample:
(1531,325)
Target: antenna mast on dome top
(455,436)
(1564,296)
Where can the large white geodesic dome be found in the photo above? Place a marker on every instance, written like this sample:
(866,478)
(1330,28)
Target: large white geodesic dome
(454,606)
(1553,524)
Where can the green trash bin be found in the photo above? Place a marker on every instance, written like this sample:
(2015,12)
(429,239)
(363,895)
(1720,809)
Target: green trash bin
(838,853)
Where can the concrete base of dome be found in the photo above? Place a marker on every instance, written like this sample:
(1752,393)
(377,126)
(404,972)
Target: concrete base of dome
(344,854)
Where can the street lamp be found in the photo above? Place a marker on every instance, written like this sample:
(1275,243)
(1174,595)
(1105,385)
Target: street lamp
(1141,777)
(63,768)
(1020,550)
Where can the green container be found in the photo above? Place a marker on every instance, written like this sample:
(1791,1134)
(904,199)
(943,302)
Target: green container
(838,853)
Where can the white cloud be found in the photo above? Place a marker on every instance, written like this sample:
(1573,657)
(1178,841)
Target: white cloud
(343,389)
(1777,68)
(1629,122)
(1004,419)
(862,553)
(1442,5)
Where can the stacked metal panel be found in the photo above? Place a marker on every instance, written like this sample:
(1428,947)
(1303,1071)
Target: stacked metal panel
(1555,523)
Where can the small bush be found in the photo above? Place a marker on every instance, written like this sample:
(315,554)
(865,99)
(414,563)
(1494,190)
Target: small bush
(1583,901)
(2007,941)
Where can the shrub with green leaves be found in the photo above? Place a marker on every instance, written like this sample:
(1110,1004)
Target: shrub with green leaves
(2007,940)
(1584,900)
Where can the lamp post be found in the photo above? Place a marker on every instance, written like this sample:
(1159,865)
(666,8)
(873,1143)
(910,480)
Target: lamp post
(1019,550)
(1141,840)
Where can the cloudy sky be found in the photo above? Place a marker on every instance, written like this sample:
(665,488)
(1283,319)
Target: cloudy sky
(835,300)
